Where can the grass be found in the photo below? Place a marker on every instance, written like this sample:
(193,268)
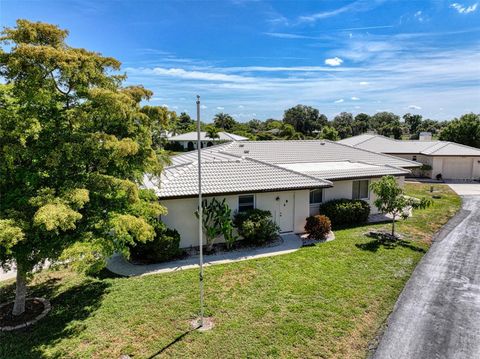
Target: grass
(323,301)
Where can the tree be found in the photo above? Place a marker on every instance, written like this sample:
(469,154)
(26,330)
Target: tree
(343,124)
(212,132)
(304,119)
(224,121)
(391,199)
(162,121)
(387,124)
(329,133)
(360,124)
(465,130)
(74,147)
(412,122)
(184,123)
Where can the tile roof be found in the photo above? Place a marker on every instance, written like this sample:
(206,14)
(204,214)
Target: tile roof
(192,136)
(254,166)
(229,176)
(378,143)
(312,151)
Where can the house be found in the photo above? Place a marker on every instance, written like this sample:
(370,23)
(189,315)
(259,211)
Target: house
(289,178)
(189,140)
(451,160)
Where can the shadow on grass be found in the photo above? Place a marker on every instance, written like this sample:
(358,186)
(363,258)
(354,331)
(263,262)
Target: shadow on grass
(173,342)
(376,243)
(69,308)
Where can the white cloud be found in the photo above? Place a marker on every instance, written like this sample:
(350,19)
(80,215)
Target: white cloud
(419,16)
(414,107)
(220,108)
(165,105)
(335,61)
(241,106)
(355,98)
(462,9)
(192,75)
(364,83)
(203,107)
(338,101)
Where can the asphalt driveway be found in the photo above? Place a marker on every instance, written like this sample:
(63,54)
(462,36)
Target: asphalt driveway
(438,313)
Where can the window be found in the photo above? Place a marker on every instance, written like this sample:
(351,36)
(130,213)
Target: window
(414,158)
(360,189)
(246,202)
(316,198)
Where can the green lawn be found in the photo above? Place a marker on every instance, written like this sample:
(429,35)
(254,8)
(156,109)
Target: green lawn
(323,301)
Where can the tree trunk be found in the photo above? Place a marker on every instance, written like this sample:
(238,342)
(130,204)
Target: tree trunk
(393,225)
(20,293)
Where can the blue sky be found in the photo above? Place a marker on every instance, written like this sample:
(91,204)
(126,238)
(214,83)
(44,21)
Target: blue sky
(254,59)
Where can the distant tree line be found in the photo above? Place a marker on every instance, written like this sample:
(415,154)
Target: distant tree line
(306,122)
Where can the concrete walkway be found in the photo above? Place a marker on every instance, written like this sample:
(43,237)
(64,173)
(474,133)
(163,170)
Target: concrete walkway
(118,265)
(438,313)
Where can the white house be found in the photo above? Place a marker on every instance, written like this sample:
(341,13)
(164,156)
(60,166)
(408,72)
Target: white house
(288,178)
(189,140)
(450,159)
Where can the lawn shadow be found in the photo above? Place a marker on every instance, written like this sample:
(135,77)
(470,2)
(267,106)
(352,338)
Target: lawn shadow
(388,243)
(69,308)
(174,341)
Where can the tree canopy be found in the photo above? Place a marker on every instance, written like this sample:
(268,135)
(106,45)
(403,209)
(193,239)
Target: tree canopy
(304,119)
(464,130)
(74,145)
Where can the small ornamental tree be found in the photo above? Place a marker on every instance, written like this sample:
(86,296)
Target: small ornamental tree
(391,199)
(74,146)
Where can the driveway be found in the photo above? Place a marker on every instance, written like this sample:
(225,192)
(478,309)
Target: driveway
(438,313)
(465,189)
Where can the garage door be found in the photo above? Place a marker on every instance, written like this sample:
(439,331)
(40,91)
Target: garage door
(457,168)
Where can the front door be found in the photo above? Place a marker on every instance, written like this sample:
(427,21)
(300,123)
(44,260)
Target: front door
(284,211)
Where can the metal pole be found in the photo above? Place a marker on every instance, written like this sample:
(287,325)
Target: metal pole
(200,210)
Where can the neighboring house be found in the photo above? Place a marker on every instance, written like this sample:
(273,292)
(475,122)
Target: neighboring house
(189,140)
(449,159)
(289,178)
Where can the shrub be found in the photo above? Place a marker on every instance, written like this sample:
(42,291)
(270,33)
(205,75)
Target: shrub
(318,226)
(165,246)
(346,211)
(256,226)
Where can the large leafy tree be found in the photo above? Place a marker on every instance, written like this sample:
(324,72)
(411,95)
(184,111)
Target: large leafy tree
(184,123)
(163,121)
(360,124)
(412,122)
(305,119)
(343,124)
(387,124)
(464,130)
(73,147)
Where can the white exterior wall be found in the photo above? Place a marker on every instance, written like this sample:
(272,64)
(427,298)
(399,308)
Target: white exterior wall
(181,211)
(182,218)
(344,189)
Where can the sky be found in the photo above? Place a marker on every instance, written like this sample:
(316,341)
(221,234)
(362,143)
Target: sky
(255,59)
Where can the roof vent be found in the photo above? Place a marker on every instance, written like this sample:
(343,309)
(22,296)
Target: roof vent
(322,143)
(246,151)
(241,145)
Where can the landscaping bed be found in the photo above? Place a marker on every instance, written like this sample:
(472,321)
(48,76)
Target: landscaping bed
(323,301)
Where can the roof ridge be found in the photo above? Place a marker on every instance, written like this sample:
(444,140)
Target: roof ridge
(287,169)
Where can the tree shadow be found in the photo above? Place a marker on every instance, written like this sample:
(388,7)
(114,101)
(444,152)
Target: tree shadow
(388,243)
(69,308)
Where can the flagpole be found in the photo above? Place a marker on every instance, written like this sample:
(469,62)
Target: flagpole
(200,211)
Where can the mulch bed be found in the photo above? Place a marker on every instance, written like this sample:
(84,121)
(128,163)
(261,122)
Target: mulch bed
(33,308)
